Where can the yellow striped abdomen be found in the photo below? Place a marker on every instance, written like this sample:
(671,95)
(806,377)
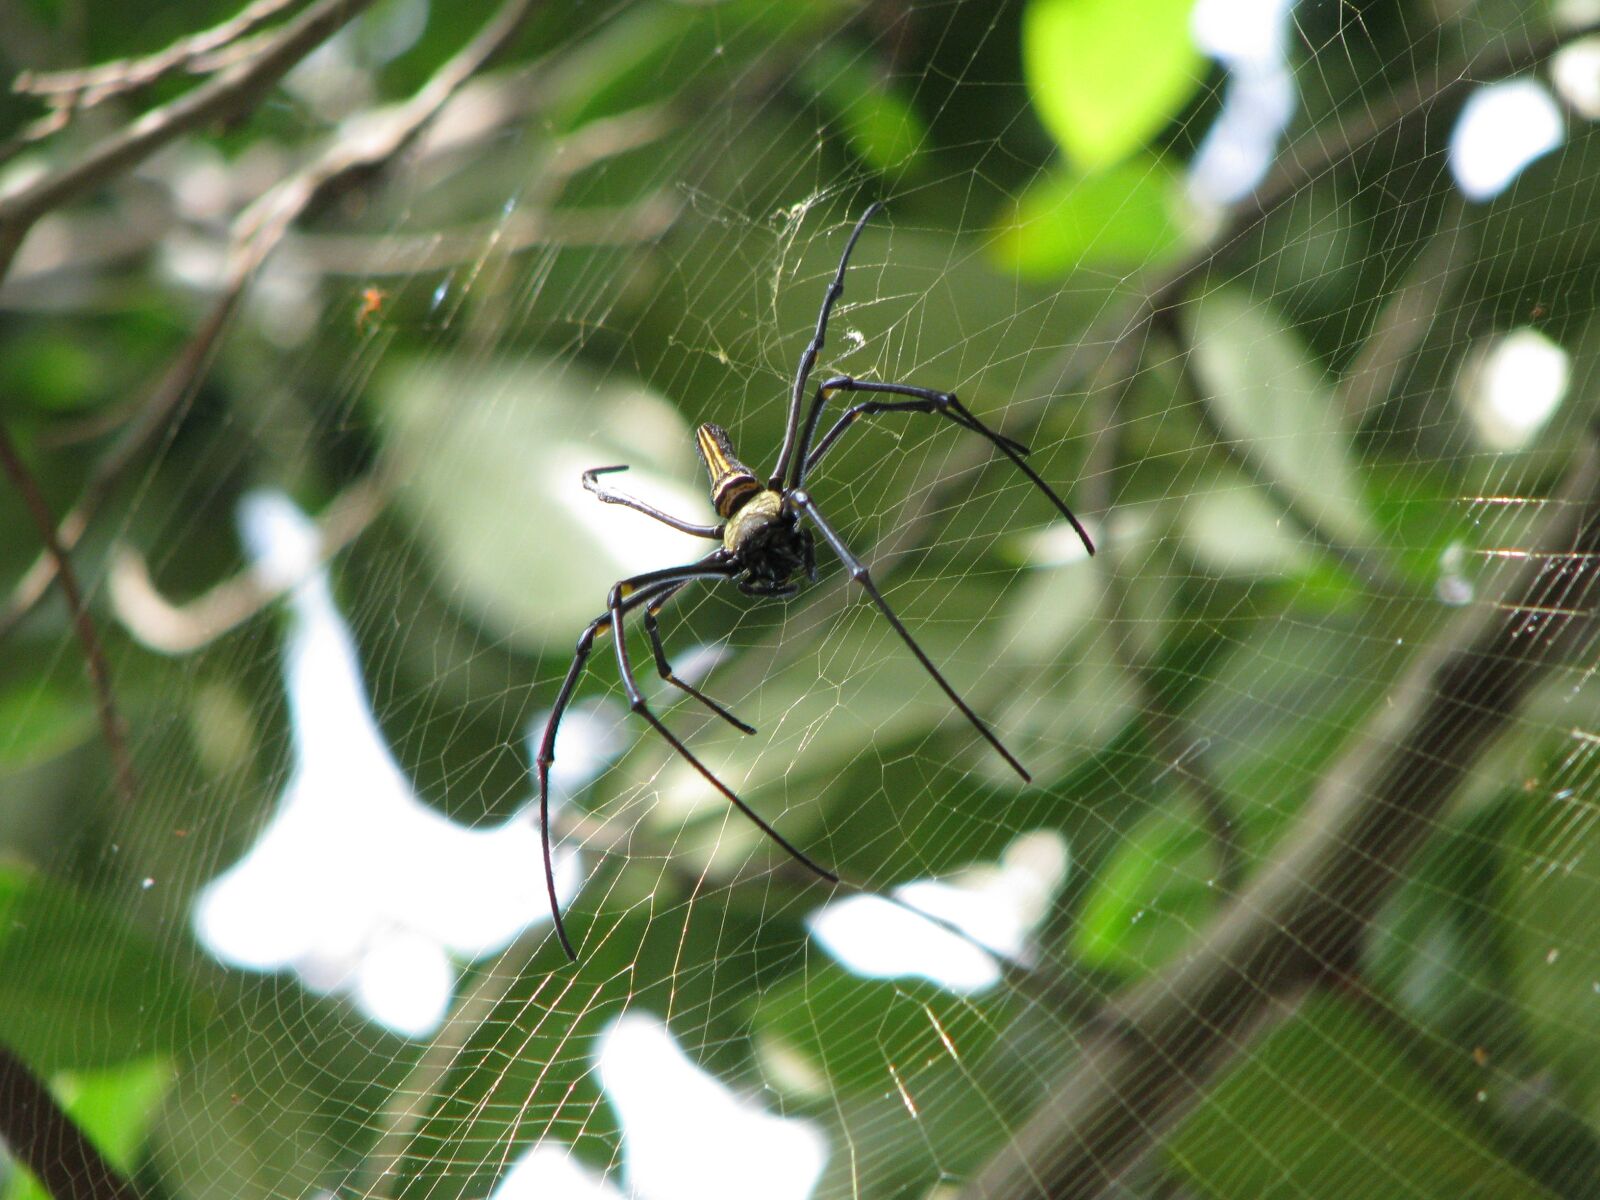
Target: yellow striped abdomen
(732,483)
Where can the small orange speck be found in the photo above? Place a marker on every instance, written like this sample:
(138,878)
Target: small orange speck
(1480,1056)
(372,300)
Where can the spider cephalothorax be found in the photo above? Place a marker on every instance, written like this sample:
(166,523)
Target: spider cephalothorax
(762,534)
(763,547)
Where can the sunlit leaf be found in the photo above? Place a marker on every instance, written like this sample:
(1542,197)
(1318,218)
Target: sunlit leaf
(1273,401)
(40,720)
(80,987)
(912,1022)
(1107,75)
(114,1108)
(493,459)
(1129,213)
(1147,900)
(1239,531)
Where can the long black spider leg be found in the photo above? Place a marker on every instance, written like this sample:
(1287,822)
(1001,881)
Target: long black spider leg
(610,495)
(646,588)
(943,404)
(802,501)
(927,401)
(808,360)
(664,668)
(637,703)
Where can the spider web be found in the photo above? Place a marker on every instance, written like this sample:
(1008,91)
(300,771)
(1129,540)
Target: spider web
(315,957)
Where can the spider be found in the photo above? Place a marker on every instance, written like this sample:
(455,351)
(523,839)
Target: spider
(762,546)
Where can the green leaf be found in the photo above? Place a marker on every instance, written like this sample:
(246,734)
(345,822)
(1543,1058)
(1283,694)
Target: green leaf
(1128,214)
(1555,948)
(493,458)
(1440,946)
(1156,889)
(40,718)
(1235,529)
(1326,1106)
(911,1022)
(1107,75)
(878,120)
(114,1108)
(79,986)
(1270,397)
(856,696)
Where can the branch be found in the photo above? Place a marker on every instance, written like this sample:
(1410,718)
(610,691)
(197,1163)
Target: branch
(224,96)
(85,87)
(1409,316)
(173,629)
(256,232)
(94,656)
(43,1138)
(1156,1049)
(156,412)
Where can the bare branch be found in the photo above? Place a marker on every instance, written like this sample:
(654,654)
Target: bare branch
(94,656)
(79,89)
(171,629)
(156,411)
(1408,316)
(224,96)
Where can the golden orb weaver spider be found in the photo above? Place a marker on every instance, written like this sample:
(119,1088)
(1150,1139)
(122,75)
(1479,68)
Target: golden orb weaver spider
(763,546)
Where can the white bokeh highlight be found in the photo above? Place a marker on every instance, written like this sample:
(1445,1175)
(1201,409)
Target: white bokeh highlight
(549,1172)
(1250,38)
(996,906)
(356,885)
(1575,73)
(1512,387)
(685,1134)
(688,1136)
(1502,128)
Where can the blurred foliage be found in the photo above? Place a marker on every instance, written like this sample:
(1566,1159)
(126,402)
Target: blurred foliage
(628,233)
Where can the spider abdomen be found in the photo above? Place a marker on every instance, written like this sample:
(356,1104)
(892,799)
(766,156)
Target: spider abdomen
(732,483)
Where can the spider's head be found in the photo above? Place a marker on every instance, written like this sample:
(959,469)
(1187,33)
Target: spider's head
(766,539)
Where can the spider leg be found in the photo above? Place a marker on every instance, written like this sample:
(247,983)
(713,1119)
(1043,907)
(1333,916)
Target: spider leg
(609,495)
(808,360)
(637,703)
(858,571)
(942,404)
(641,590)
(664,668)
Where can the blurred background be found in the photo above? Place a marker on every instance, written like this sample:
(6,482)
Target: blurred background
(1295,304)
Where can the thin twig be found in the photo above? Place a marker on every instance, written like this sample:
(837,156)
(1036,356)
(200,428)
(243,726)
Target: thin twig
(94,655)
(1408,316)
(84,87)
(157,411)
